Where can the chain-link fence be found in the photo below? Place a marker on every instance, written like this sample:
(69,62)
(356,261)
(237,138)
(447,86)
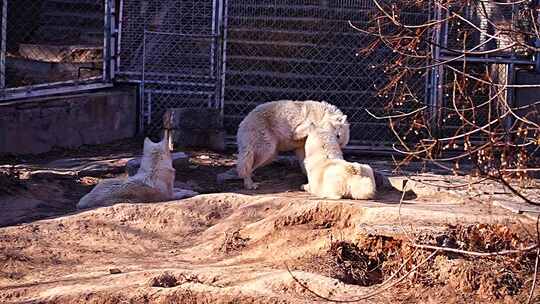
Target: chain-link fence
(302,49)
(178,71)
(177,17)
(306,49)
(172,49)
(275,49)
(48,41)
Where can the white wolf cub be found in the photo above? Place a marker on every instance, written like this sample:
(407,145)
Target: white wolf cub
(153,182)
(274,127)
(329,175)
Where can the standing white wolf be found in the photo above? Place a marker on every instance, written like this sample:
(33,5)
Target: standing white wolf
(153,182)
(280,126)
(329,175)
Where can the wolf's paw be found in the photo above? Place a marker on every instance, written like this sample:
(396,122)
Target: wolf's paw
(252,186)
(182,193)
(333,197)
(227,175)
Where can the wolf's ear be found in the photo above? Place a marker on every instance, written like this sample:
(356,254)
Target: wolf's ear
(148,144)
(147,141)
(163,144)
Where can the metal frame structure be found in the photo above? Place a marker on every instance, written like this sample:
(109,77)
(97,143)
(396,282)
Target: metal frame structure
(509,60)
(176,61)
(3,28)
(67,86)
(236,54)
(297,50)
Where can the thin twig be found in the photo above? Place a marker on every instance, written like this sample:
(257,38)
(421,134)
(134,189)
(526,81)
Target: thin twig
(403,192)
(474,253)
(395,116)
(531,294)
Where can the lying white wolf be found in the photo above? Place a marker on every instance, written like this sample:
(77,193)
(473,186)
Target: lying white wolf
(153,182)
(329,175)
(274,127)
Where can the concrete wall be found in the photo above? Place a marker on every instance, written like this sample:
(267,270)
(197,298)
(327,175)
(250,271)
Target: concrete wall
(37,125)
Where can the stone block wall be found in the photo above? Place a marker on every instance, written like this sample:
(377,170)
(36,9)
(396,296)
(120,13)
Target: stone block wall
(38,125)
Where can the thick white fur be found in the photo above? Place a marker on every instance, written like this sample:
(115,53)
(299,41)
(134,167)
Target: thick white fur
(329,175)
(281,126)
(153,182)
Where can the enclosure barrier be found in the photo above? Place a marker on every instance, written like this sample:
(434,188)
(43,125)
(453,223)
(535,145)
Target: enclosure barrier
(53,46)
(232,54)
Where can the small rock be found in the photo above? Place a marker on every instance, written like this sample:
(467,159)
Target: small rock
(180,159)
(114,271)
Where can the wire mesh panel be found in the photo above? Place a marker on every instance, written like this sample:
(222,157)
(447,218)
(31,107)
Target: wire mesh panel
(172,49)
(53,40)
(178,71)
(3,32)
(493,35)
(483,18)
(186,17)
(306,49)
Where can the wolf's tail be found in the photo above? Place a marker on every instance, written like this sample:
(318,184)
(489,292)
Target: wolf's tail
(363,184)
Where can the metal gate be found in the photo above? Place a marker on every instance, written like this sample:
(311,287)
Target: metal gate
(173,49)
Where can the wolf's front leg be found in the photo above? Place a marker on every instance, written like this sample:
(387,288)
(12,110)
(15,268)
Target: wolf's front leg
(305,187)
(183,193)
(301,155)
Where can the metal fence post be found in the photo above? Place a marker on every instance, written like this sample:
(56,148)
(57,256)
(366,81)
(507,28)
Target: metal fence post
(223,70)
(142,97)
(118,29)
(435,98)
(3,46)
(107,41)
(113,41)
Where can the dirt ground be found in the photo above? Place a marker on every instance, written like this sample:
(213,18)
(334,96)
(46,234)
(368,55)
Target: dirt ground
(227,245)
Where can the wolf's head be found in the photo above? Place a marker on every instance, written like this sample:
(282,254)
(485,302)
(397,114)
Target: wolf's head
(322,140)
(337,120)
(156,166)
(339,125)
(156,158)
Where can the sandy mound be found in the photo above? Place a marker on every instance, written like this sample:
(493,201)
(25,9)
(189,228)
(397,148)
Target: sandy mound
(237,246)
(223,248)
